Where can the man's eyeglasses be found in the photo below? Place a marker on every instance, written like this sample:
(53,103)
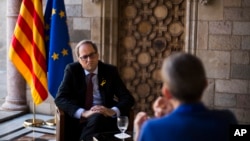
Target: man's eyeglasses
(90,56)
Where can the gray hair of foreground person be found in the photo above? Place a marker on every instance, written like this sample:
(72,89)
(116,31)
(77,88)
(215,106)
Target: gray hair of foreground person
(185,76)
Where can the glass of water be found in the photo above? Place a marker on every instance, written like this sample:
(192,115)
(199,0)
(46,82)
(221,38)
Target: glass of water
(122,124)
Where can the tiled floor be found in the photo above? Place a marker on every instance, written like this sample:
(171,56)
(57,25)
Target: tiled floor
(7,115)
(36,137)
(15,130)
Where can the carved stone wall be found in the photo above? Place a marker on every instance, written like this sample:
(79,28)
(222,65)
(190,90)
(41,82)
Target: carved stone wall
(149,31)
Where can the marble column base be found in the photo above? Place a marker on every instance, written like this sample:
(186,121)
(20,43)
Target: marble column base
(14,105)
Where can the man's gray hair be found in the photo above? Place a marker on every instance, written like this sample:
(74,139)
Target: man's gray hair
(85,42)
(185,76)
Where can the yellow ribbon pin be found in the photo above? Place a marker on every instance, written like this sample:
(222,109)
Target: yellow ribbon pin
(103,82)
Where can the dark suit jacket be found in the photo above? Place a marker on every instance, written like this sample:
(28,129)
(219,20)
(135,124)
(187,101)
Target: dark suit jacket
(71,93)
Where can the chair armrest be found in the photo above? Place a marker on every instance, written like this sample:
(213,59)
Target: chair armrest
(131,120)
(60,117)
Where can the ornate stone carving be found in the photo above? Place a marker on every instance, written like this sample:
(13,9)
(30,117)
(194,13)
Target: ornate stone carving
(149,31)
(204,2)
(95,1)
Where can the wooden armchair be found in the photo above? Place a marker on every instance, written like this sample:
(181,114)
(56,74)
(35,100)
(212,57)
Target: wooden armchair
(61,119)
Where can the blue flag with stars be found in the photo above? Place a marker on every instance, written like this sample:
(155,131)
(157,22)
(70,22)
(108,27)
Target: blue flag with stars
(58,49)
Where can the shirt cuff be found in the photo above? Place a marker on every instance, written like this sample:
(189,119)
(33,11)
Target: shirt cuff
(117,111)
(78,113)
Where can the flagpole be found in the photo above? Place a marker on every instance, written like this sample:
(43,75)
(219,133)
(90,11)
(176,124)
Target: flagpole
(33,122)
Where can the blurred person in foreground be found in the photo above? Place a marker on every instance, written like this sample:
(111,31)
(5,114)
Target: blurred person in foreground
(179,113)
(108,96)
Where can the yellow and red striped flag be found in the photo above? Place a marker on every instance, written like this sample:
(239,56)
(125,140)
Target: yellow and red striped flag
(27,49)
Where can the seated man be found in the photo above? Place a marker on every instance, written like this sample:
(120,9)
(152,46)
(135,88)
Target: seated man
(183,117)
(92,95)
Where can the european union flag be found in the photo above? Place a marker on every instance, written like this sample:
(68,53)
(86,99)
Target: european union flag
(58,49)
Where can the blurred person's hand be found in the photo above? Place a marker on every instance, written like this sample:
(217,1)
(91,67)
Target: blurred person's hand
(140,118)
(162,106)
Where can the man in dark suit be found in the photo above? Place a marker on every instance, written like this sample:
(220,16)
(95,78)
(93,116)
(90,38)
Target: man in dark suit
(181,114)
(109,96)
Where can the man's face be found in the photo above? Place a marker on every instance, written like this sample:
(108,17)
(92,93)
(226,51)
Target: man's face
(88,57)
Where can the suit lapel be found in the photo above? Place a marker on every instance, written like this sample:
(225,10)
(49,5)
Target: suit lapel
(101,81)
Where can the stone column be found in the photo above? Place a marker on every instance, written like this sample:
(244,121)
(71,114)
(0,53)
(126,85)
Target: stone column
(191,26)
(16,85)
(109,33)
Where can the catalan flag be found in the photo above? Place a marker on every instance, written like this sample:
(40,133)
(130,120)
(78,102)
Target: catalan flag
(27,49)
(57,43)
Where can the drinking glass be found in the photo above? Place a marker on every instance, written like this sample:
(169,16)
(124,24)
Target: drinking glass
(122,124)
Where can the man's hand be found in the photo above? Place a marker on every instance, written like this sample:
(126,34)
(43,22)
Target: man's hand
(98,109)
(162,106)
(140,118)
(88,113)
(105,111)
